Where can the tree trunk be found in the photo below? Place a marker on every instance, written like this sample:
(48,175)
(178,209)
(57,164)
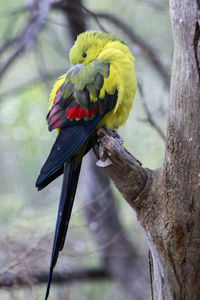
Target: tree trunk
(167,200)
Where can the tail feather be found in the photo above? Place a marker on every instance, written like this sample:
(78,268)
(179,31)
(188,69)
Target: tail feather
(67,143)
(69,185)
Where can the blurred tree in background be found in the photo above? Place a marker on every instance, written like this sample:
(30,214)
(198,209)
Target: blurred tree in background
(34,43)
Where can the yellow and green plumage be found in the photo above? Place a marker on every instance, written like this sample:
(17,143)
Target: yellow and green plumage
(98,90)
(110,49)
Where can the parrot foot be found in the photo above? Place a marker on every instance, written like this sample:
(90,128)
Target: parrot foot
(114,133)
(102,141)
(104,160)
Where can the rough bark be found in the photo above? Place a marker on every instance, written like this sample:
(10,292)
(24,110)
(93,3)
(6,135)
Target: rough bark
(167,200)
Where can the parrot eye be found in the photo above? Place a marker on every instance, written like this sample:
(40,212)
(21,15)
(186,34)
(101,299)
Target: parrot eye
(84,54)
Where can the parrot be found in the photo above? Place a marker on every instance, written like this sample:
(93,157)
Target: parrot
(97,91)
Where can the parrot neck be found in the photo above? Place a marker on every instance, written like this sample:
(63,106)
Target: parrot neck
(116,53)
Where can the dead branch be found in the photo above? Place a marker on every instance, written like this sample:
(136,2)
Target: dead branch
(125,170)
(9,279)
(76,21)
(30,83)
(92,14)
(7,44)
(38,10)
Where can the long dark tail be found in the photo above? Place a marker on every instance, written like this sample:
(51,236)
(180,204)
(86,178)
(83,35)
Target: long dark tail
(69,185)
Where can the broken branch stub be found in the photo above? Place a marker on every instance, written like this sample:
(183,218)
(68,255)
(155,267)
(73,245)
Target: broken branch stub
(127,173)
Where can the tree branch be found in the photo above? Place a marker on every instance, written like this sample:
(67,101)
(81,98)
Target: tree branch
(77,21)
(125,170)
(7,44)
(38,11)
(9,279)
(93,14)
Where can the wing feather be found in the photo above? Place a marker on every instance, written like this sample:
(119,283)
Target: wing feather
(78,98)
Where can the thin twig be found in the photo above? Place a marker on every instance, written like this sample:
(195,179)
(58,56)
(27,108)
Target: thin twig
(150,118)
(95,17)
(32,82)
(7,44)
(24,255)
(14,12)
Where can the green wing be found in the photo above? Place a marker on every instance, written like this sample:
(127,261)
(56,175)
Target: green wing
(78,100)
(87,78)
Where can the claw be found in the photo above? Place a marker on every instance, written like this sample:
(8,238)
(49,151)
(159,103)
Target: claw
(117,136)
(113,133)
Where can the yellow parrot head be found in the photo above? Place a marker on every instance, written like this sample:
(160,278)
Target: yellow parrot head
(88,46)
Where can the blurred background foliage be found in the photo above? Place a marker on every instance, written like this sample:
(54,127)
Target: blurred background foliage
(27,218)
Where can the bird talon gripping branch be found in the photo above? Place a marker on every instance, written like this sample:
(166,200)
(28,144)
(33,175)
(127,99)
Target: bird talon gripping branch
(97,91)
(113,133)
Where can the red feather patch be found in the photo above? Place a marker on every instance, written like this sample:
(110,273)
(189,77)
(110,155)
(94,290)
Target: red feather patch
(77,112)
(57,98)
